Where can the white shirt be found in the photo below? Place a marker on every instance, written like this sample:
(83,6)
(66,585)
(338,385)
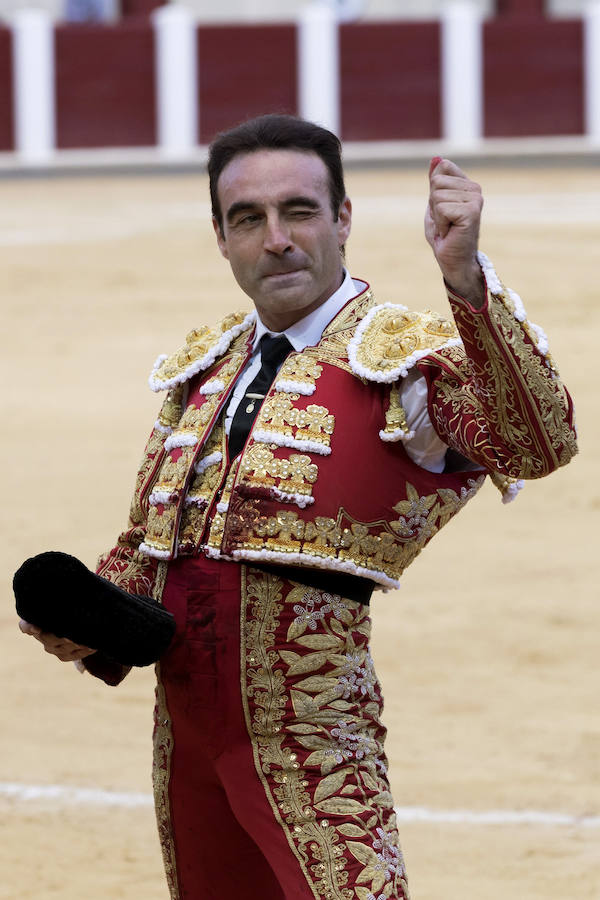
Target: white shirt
(425,449)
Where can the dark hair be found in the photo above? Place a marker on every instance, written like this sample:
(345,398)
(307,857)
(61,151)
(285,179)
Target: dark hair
(277,132)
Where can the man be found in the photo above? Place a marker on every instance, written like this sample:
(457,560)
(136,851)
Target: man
(304,455)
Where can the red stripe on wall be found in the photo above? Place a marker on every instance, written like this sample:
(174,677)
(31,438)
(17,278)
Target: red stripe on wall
(105,85)
(390,76)
(244,71)
(7,138)
(533,77)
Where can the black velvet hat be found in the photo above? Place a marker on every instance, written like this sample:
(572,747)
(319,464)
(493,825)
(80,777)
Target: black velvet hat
(59,594)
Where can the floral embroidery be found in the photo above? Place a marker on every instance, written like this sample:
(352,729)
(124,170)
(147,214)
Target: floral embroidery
(312,704)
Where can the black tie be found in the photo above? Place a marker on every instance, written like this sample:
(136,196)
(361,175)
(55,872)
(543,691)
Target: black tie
(273,350)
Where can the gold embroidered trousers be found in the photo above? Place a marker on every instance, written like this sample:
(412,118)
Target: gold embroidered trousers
(270,774)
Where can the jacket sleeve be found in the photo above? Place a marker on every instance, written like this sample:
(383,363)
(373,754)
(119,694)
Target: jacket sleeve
(500,401)
(124,565)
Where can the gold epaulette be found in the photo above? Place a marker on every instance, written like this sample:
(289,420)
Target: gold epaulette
(203,346)
(391,339)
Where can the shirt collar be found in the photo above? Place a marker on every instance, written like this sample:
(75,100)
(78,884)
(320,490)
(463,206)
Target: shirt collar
(307,331)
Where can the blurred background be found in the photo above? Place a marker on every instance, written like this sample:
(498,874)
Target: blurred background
(137,81)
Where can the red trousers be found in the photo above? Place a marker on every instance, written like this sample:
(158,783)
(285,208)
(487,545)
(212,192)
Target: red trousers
(270,777)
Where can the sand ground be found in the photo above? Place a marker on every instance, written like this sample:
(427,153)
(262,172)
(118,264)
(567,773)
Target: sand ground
(488,654)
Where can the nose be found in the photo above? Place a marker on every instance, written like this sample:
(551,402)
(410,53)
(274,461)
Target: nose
(277,238)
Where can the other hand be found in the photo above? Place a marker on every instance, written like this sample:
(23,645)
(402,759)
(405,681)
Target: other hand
(452,221)
(61,647)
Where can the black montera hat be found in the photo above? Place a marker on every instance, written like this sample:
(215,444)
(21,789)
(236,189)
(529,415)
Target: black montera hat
(59,594)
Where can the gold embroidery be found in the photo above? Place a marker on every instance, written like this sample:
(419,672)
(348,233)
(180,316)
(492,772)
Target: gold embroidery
(381,548)
(170,413)
(295,474)
(312,711)
(173,473)
(301,369)
(200,342)
(315,423)
(160,527)
(277,414)
(161,773)
(393,335)
(491,417)
(152,456)
(280,416)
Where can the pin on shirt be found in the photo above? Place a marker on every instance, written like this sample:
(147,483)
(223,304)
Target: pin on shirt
(253,398)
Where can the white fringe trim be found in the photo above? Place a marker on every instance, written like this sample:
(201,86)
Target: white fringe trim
(541,339)
(165,429)
(301,500)
(204,362)
(215,553)
(180,440)
(401,370)
(398,435)
(318,562)
(206,461)
(163,497)
(491,278)
(285,440)
(512,491)
(495,285)
(213,386)
(222,506)
(152,551)
(295,387)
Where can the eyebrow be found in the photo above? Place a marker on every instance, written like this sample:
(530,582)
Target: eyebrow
(245,205)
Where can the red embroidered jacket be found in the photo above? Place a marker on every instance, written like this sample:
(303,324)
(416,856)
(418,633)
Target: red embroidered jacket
(324,480)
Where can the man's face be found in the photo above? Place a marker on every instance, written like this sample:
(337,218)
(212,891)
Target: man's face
(279,233)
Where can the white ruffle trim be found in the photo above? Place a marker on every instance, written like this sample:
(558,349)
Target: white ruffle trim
(318,562)
(152,551)
(163,497)
(536,333)
(191,500)
(398,435)
(285,440)
(164,429)
(301,500)
(399,371)
(214,386)
(222,506)
(512,491)
(180,440)
(215,553)
(204,362)
(295,387)
(206,461)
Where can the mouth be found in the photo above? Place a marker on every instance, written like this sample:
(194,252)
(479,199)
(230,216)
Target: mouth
(286,273)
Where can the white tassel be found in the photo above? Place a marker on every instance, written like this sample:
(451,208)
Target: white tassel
(398,435)
(512,491)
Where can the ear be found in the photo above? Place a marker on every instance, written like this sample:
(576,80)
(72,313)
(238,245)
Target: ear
(221,242)
(344,221)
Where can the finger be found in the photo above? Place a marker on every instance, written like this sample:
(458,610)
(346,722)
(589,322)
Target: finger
(447,167)
(436,160)
(28,628)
